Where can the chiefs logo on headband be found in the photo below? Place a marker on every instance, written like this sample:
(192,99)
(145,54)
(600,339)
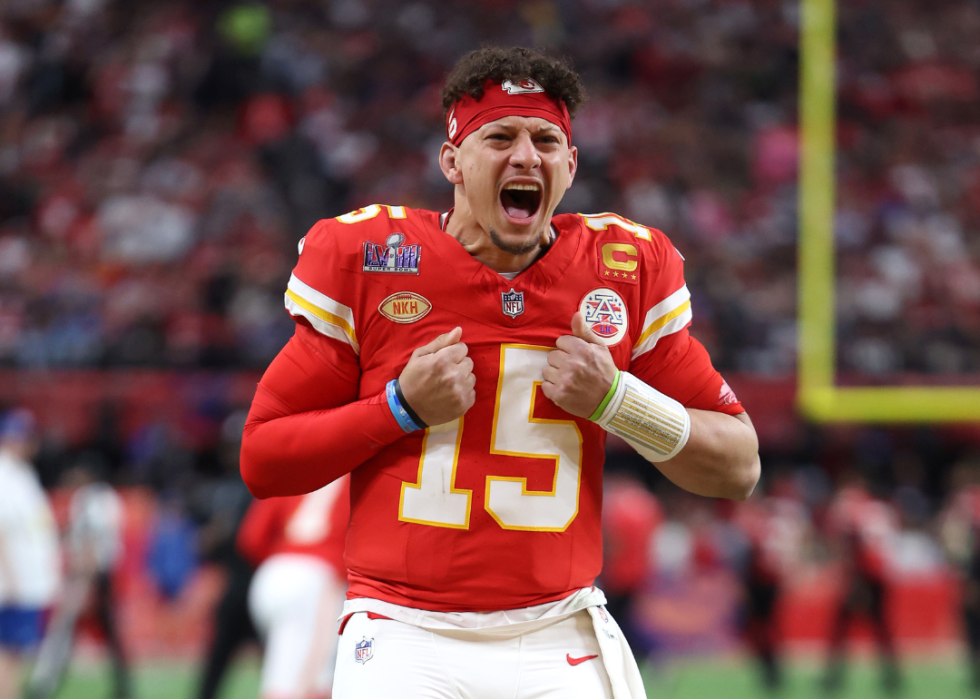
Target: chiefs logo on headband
(524,87)
(502,99)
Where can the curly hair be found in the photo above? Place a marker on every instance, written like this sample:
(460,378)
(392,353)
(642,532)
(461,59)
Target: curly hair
(499,64)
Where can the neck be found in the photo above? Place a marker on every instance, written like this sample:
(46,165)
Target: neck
(476,240)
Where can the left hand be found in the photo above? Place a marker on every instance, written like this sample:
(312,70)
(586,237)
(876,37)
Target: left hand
(580,372)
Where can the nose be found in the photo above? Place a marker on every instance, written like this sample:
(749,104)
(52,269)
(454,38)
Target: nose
(524,155)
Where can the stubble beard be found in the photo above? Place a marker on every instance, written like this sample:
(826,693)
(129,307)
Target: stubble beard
(516,249)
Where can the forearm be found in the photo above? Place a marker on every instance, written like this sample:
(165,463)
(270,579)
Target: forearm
(300,453)
(720,459)
(706,452)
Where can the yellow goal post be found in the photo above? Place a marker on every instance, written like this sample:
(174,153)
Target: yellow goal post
(818,397)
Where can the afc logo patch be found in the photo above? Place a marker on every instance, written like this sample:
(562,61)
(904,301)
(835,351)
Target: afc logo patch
(364,650)
(605,314)
(512,302)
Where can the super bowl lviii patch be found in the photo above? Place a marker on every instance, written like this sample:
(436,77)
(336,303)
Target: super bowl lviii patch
(393,256)
(605,314)
(404,307)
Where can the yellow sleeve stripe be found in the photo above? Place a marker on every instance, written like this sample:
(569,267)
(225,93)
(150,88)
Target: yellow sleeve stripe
(327,316)
(667,317)
(662,321)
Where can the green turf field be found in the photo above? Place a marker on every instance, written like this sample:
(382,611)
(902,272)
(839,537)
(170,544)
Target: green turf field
(703,679)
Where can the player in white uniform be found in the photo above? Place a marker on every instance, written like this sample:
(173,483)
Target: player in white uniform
(29,556)
(94,546)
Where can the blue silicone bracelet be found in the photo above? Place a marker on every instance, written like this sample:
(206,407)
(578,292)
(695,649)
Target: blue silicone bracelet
(402,417)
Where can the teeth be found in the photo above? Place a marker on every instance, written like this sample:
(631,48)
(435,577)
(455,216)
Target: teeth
(523,187)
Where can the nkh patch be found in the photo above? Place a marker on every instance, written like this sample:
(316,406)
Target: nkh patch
(393,256)
(512,302)
(605,314)
(364,650)
(405,307)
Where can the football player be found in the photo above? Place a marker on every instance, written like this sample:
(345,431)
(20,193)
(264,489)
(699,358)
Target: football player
(465,367)
(29,552)
(297,547)
(864,529)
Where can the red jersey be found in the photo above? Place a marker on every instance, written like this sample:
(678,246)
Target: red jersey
(501,508)
(631,516)
(314,525)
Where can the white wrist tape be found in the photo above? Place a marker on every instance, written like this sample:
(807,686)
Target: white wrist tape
(654,424)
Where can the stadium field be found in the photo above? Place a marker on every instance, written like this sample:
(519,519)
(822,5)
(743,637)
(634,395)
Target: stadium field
(702,679)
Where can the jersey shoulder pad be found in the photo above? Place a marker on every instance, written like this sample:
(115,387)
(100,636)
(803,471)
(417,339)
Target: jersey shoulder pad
(344,235)
(614,226)
(326,282)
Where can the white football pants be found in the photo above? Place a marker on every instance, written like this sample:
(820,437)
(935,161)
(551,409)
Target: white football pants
(294,601)
(397,660)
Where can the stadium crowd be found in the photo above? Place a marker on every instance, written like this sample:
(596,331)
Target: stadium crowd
(159,160)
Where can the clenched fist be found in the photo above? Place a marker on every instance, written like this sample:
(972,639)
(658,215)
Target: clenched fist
(580,372)
(438,380)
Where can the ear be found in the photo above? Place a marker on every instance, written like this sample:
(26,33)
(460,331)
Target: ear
(572,165)
(448,156)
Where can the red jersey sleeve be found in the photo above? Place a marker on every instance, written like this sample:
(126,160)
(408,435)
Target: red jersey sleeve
(306,427)
(664,354)
(259,531)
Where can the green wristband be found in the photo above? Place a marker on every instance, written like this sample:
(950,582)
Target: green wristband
(605,401)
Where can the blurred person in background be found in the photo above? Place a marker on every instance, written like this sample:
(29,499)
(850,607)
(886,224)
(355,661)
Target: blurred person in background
(529,337)
(774,527)
(94,545)
(221,506)
(862,529)
(30,562)
(960,536)
(630,517)
(297,545)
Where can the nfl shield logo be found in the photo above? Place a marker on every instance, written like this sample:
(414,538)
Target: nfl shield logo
(512,302)
(364,650)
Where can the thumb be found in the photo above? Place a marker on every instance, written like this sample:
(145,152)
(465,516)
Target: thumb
(444,340)
(583,331)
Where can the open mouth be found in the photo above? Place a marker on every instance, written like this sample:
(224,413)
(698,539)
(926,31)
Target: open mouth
(521,201)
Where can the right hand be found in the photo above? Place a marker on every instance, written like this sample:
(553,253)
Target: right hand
(438,380)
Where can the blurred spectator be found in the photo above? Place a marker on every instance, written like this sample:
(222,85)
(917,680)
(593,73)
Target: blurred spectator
(94,547)
(864,530)
(29,552)
(172,558)
(775,527)
(221,505)
(960,535)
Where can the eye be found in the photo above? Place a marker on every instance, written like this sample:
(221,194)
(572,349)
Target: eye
(551,140)
(498,137)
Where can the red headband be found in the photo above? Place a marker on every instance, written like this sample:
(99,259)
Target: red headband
(525,98)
